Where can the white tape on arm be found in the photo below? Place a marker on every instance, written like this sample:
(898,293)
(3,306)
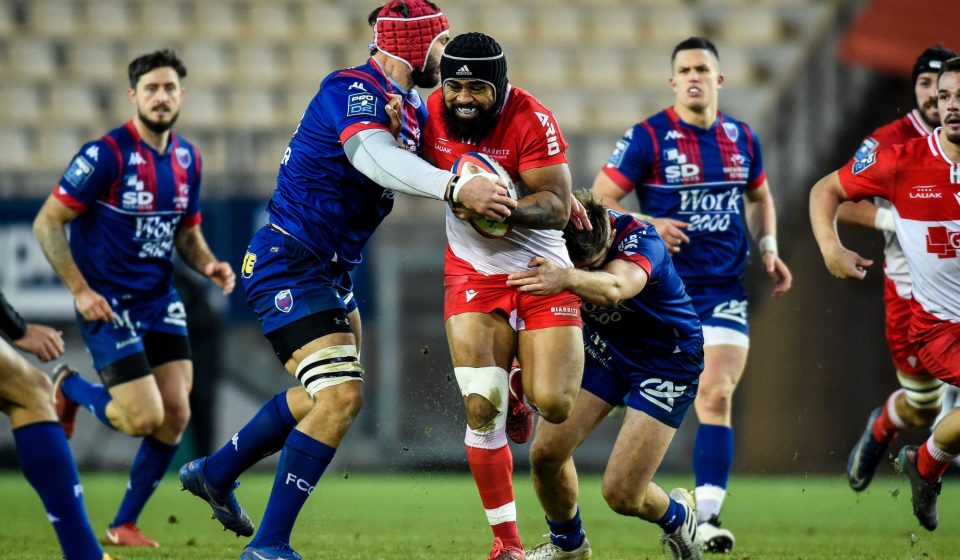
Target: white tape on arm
(768,243)
(884,220)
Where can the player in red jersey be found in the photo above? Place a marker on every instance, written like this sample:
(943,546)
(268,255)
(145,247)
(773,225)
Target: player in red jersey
(922,180)
(920,396)
(488,322)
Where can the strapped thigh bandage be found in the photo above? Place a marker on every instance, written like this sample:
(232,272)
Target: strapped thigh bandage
(922,393)
(330,366)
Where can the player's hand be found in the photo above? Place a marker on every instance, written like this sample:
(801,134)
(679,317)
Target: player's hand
(394,109)
(844,263)
(671,231)
(222,275)
(43,341)
(543,278)
(465,214)
(93,307)
(486,198)
(578,215)
(778,271)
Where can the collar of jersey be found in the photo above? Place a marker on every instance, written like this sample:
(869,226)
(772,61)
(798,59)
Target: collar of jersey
(693,128)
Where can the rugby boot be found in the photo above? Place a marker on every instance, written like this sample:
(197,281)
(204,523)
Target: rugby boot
(130,535)
(501,552)
(519,415)
(924,493)
(714,537)
(225,506)
(279,552)
(683,543)
(865,456)
(65,408)
(550,551)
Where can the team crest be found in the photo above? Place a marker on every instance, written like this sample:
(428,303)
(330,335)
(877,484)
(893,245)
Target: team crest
(732,131)
(183,157)
(284,301)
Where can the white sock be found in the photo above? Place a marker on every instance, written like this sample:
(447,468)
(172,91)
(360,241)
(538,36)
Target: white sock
(709,501)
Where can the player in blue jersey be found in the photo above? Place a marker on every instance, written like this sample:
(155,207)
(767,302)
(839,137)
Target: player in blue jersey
(42,448)
(336,183)
(644,346)
(131,198)
(692,166)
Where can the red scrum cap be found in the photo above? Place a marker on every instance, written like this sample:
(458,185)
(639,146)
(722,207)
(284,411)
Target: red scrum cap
(406,30)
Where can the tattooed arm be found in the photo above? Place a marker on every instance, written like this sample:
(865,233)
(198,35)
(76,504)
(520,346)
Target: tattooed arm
(547,203)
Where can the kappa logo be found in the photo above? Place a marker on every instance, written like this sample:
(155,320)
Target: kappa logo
(464,71)
(93,152)
(734,310)
(673,135)
(235,440)
(136,159)
(661,392)
(471,294)
(357,85)
(942,242)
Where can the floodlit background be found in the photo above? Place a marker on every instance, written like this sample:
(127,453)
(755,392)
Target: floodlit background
(812,76)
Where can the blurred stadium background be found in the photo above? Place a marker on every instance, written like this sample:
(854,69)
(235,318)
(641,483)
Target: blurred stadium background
(812,76)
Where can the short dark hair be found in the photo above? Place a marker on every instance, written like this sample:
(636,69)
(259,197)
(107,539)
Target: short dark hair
(151,61)
(952,65)
(691,43)
(584,245)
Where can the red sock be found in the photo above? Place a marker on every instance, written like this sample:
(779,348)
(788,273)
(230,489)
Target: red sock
(493,472)
(930,468)
(884,430)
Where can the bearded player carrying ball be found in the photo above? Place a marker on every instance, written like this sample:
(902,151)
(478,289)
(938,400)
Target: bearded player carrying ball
(488,322)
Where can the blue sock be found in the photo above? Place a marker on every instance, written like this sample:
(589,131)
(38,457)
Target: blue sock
(152,460)
(263,435)
(713,455)
(567,535)
(302,463)
(49,467)
(91,396)
(675,516)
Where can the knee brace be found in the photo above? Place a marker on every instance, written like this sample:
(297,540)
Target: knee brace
(330,366)
(924,393)
(488,382)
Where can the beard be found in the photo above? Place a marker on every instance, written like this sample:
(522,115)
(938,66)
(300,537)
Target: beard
(925,114)
(429,77)
(472,130)
(157,127)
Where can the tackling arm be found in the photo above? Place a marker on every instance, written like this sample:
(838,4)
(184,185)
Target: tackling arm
(617,281)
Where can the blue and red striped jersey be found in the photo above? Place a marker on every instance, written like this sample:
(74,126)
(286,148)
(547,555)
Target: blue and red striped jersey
(321,199)
(658,320)
(697,176)
(131,201)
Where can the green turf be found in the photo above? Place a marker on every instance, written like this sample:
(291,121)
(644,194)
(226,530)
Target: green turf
(370,516)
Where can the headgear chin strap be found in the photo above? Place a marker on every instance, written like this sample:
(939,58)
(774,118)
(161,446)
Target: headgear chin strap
(409,38)
(475,56)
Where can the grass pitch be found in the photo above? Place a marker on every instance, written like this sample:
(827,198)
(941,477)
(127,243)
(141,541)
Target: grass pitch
(421,516)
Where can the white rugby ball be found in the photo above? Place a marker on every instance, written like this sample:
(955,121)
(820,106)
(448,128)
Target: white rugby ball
(475,163)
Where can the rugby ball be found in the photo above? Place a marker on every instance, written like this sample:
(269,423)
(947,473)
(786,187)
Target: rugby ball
(474,163)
